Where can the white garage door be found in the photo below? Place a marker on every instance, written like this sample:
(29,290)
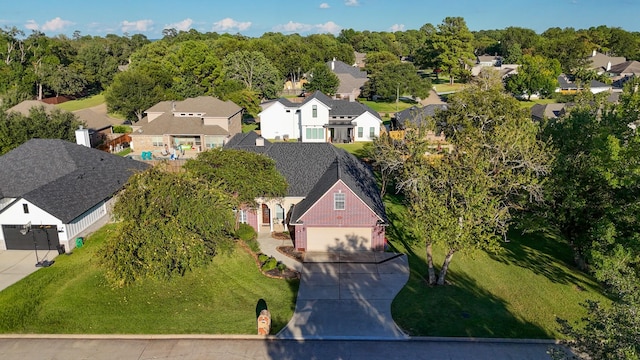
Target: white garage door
(335,239)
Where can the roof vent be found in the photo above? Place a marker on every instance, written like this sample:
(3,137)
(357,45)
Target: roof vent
(259,141)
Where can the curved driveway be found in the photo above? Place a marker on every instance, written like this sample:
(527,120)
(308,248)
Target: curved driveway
(347,295)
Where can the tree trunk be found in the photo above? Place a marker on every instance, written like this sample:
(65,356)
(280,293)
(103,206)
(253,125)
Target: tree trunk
(445,267)
(432,271)
(39,91)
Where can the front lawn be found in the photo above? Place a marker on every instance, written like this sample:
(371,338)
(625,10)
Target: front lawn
(529,104)
(72,297)
(516,294)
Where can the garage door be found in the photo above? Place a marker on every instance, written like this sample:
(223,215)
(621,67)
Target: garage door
(44,236)
(336,239)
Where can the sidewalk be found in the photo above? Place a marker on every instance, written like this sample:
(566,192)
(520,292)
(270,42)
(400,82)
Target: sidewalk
(269,245)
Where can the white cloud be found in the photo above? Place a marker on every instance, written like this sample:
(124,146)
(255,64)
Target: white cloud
(32,25)
(324,6)
(139,25)
(56,24)
(228,24)
(296,27)
(396,27)
(183,25)
(351,3)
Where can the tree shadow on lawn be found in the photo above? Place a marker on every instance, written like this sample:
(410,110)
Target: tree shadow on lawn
(544,254)
(462,308)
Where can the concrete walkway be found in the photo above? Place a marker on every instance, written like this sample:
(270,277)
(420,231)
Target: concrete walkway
(269,246)
(348,295)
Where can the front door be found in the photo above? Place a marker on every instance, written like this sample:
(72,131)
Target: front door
(266,215)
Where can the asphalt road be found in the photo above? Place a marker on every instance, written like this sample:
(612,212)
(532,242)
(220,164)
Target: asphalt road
(206,347)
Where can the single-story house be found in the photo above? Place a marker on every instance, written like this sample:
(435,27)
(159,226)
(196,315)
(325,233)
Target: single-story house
(61,189)
(567,86)
(602,63)
(319,119)
(332,202)
(540,112)
(415,115)
(193,124)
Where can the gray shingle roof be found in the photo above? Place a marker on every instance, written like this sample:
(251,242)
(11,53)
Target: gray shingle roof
(176,125)
(63,178)
(340,107)
(311,168)
(417,115)
(93,120)
(340,67)
(25,107)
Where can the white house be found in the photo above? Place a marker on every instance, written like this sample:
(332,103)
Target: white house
(52,191)
(319,119)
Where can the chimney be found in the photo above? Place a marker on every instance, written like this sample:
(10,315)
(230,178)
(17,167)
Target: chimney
(608,65)
(593,54)
(259,141)
(333,64)
(82,137)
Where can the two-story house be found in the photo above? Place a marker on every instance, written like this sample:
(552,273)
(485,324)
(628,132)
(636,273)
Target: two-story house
(193,125)
(319,119)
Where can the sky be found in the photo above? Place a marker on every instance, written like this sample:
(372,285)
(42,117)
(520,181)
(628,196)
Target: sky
(305,17)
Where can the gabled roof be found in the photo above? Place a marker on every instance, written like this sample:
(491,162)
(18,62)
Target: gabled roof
(339,67)
(547,111)
(25,107)
(601,61)
(93,120)
(63,178)
(340,107)
(417,115)
(627,67)
(311,168)
(355,174)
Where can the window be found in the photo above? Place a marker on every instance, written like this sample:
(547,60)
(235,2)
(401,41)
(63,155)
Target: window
(25,208)
(360,131)
(372,132)
(315,133)
(242,218)
(315,111)
(338,201)
(157,141)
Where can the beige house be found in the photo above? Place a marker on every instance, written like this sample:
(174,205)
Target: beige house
(191,125)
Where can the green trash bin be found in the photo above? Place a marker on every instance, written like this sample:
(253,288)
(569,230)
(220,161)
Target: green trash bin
(79,242)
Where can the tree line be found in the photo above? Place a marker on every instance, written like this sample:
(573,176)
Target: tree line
(246,70)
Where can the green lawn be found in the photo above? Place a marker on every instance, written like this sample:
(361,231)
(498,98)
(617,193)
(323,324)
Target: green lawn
(84,103)
(354,148)
(516,294)
(72,297)
(529,104)
(386,107)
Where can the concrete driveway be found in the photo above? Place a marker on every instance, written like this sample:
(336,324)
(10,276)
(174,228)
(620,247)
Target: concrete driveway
(347,295)
(17,264)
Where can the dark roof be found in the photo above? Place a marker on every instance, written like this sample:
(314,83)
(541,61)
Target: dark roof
(355,174)
(417,115)
(340,67)
(340,107)
(311,168)
(63,178)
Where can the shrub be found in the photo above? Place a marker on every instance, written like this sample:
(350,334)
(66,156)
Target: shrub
(270,264)
(262,258)
(282,267)
(253,245)
(245,232)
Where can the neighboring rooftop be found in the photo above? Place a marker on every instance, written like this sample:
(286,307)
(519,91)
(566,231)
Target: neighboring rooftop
(25,107)
(63,178)
(310,168)
(417,115)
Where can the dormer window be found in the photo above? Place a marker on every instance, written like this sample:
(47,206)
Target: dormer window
(338,201)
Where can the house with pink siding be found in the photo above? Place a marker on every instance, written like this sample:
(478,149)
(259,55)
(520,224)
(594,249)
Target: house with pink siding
(332,202)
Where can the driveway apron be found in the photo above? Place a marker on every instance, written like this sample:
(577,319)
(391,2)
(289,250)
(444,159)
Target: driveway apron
(348,295)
